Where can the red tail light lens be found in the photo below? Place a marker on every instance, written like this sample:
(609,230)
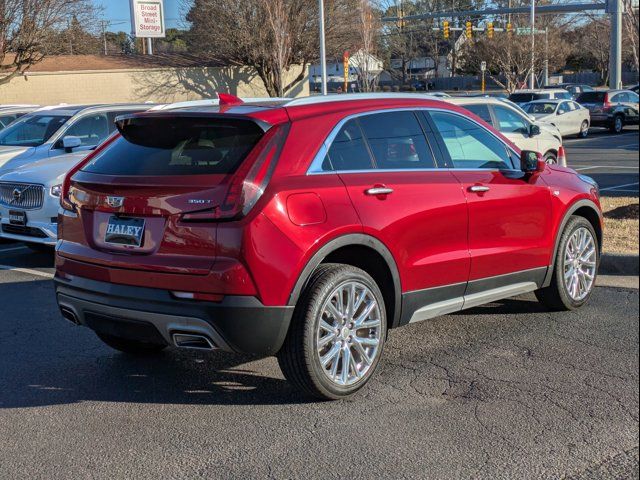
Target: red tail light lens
(65,201)
(606,103)
(250,180)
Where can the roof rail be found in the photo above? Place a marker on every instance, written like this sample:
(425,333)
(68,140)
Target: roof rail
(214,102)
(345,97)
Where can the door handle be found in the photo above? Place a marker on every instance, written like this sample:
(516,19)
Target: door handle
(479,189)
(379,191)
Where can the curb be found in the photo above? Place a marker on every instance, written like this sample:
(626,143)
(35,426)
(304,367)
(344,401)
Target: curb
(612,264)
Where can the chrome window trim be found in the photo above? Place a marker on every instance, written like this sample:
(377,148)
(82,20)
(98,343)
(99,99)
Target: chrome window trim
(315,168)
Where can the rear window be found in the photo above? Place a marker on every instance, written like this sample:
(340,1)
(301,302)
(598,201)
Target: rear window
(521,97)
(177,146)
(591,97)
(481,111)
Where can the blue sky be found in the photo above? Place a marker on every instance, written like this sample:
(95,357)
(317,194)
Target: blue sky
(117,11)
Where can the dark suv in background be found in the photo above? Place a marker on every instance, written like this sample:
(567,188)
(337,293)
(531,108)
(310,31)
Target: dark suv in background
(612,109)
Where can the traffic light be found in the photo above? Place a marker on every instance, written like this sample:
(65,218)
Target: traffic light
(509,28)
(469,30)
(445,29)
(490,29)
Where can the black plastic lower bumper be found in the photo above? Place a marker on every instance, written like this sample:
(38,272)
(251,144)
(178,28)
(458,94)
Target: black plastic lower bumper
(241,324)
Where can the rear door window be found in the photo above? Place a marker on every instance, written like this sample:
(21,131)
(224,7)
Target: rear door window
(177,146)
(348,150)
(481,111)
(397,141)
(469,145)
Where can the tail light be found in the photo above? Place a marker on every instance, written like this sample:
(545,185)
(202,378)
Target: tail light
(606,105)
(65,201)
(249,182)
(562,157)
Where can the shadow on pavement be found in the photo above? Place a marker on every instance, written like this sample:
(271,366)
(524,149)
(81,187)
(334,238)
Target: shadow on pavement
(46,360)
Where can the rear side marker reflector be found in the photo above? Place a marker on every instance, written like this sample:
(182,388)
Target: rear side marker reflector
(205,297)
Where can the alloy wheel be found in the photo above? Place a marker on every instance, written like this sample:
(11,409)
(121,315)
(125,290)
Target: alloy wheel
(348,334)
(580,258)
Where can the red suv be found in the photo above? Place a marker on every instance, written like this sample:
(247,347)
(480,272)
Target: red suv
(308,228)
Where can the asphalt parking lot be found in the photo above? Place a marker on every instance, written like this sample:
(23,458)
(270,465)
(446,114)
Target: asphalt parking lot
(612,160)
(506,390)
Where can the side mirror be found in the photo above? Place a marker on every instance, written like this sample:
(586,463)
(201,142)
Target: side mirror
(534,130)
(70,142)
(531,162)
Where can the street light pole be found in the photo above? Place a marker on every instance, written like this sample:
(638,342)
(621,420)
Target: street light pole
(532,79)
(323,57)
(616,9)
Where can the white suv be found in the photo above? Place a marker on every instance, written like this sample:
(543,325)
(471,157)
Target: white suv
(52,131)
(525,132)
(43,147)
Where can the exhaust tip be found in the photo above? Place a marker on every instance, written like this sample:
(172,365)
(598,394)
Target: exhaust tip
(191,340)
(69,314)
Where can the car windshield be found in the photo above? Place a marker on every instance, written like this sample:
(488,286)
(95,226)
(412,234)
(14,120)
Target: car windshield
(32,130)
(544,108)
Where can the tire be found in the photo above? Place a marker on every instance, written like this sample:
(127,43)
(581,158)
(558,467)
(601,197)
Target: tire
(557,295)
(584,130)
(551,158)
(617,125)
(132,347)
(301,354)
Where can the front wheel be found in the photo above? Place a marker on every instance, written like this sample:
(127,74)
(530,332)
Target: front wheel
(337,333)
(584,130)
(551,158)
(575,267)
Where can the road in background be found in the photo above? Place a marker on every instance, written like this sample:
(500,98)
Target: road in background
(612,160)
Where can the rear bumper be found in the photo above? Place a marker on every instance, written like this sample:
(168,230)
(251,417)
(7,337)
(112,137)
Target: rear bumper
(240,324)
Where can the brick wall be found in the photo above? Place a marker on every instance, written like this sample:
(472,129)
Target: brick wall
(160,85)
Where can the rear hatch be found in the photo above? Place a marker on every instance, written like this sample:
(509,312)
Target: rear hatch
(594,101)
(149,200)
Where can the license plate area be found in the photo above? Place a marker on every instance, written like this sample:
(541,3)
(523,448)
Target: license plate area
(18,217)
(125,231)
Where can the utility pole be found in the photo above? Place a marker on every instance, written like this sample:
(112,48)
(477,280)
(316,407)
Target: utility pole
(323,57)
(615,8)
(104,36)
(532,78)
(545,80)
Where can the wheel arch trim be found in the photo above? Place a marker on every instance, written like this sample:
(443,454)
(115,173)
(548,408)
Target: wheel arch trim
(574,207)
(354,239)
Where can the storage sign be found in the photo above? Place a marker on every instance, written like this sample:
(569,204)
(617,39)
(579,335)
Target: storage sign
(147,18)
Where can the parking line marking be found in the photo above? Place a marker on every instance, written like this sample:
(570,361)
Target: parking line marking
(29,271)
(580,167)
(619,186)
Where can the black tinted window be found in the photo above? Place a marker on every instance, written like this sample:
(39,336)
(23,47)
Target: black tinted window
(348,150)
(177,146)
(591,97)
(521,97)
(397,141)
(481,111)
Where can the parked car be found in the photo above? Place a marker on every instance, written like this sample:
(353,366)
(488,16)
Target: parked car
(612,109)
(570,117)
(301,230)
(574,89)
(53,131)
(30,183)
(525,96)
(10,113)
(525,132)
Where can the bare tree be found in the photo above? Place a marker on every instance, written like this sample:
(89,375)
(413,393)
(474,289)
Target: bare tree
(25,27)
(632,31)
(271,36)
(368,28)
